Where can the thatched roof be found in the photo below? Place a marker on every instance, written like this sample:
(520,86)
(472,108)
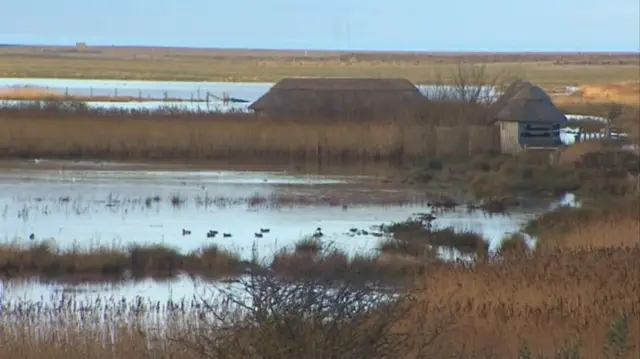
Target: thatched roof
(523,101)
(340,96)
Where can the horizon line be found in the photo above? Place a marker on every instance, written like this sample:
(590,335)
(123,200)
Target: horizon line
(337,50)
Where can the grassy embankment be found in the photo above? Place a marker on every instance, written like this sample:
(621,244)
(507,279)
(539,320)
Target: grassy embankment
(581,281)
(548,70)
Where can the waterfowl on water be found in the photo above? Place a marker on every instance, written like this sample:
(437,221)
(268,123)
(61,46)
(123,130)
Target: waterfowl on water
(429,217)
(226,235)
(212,234)
(265,230)
(258,235)
(185,232)
(32,236)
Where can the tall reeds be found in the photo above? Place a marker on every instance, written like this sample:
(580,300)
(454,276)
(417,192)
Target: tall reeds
(502,307)
(72,130)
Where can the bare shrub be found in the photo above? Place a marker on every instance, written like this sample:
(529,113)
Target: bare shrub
(311,318)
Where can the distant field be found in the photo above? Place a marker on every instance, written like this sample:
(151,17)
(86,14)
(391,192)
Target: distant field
(184,64)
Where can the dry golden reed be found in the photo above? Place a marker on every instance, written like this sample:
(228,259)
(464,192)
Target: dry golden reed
(213,136)
(28,93)
(567,297)
(616,233)
(34,93)
(627,92)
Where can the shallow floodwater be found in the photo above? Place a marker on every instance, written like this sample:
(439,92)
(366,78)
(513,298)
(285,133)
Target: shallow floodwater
(192,93)
(88,204)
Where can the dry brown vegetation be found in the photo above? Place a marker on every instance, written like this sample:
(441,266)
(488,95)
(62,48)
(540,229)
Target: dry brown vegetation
(55,130)
(626,93)
(111,264)
(583,169)
(612,225)
(31,93)
(585,288)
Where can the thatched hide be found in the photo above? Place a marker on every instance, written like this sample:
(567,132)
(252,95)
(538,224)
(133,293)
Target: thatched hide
(525,102)
(340,97)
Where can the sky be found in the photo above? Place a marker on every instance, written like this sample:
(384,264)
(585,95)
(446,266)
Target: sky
(384,25)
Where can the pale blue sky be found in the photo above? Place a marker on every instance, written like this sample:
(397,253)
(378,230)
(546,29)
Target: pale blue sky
(410,25)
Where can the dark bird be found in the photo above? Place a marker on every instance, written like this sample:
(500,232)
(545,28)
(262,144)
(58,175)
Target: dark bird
(185,232)
(265,230)
(353,230)
(212,234)
(258,235)
(226,235)
(32,236)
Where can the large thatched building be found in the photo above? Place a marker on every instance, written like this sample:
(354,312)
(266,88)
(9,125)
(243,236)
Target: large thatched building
(340,97)
(527,118)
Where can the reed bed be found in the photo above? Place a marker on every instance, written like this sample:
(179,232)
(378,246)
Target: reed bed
(103,263)
(73,131)
(592,226)
(500,308)
(618,92)
(34,93)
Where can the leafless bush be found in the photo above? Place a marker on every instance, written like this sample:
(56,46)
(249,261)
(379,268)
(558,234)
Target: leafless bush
(311,318)
(471,84)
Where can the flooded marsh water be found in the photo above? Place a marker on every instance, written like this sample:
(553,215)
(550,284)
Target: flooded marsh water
(88,204)
(193,96)
(116,205)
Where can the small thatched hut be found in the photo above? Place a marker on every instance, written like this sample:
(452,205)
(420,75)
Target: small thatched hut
(527,117)
(340,97)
